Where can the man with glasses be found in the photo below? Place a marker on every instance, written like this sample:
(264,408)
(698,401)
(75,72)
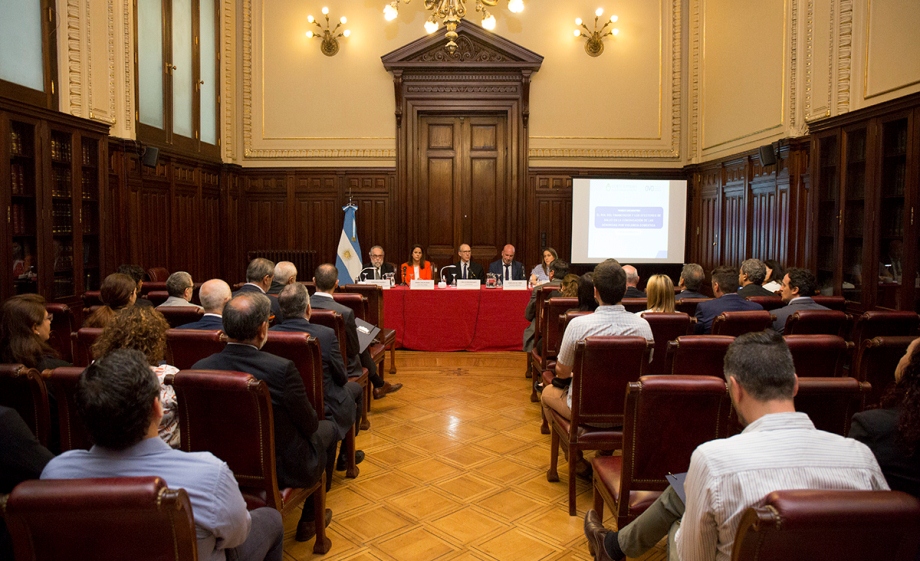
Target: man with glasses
(377,267)
(465,269)
(181,288)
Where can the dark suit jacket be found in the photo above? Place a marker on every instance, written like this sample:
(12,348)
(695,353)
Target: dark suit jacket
(801,303)
(207,322)
(474,271)
(689,294)
(878,429)
(517,270)
(299,453)
(336,399)
(754,290)
(530,312)
(633,292)
(251,288)
(351,330)
(143,302)
(710,310)
(384,269)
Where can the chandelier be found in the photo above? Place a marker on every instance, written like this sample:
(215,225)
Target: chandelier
(451,12)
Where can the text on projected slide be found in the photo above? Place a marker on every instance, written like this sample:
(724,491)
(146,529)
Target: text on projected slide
(630,219)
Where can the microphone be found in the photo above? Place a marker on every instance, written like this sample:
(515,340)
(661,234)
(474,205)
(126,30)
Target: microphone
(361,274)
(444,268)
(403,279)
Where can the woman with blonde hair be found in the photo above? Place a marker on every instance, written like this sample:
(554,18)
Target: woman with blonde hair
(117,292)
(660,292)
(570,286)
(144,329)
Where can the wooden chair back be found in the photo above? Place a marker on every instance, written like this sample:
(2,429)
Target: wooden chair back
(816,322)
(74,435)
(701,355)
(739,323)
(24,390)
(62,325)
(83,340)
(875,362)
(666,327)
(185,347)
(820,356)
(180,315)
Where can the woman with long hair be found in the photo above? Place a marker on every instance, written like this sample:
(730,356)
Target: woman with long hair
(25,328)
(417,267)
(660,292)
(540,273)
(144,329)
(775,273)
(892,431)
(586,301)
(117,292)
(570,286)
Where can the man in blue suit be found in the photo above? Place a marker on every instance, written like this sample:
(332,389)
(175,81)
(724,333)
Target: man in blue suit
(507,268)
(259,276)
(798,287)
(213,295)
(725,289)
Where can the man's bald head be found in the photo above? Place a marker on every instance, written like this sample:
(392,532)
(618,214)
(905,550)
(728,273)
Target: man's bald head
(632,275)
(508,254)
(213,295)
(285,272)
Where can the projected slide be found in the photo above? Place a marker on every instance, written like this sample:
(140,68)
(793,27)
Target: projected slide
(629,218)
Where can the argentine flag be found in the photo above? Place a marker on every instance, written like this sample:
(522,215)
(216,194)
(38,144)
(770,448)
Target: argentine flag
(348,257)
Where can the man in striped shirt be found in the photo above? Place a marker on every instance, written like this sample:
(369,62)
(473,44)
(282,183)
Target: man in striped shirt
(778,449)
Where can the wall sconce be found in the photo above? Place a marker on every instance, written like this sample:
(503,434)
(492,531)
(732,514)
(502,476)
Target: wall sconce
(330,44)
(594,45)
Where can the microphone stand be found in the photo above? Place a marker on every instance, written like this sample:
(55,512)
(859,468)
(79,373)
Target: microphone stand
(444,268)
(361,274)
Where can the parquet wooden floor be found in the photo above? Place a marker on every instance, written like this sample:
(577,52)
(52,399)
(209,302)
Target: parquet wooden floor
(455,469)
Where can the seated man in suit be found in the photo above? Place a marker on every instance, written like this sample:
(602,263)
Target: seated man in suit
(378,266)
(285,273)
(691,279)
(725,289)
(798,287)
(558,269)
(213,294)
(465,269)
(341,398)
(753,272)
(137,273)
(326,278)
(259,276)
(632,283)
(180,288)
(778,449)
(304,445)
(507,268)
(118,399)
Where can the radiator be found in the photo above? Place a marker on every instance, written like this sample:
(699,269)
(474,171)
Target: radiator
(303,259)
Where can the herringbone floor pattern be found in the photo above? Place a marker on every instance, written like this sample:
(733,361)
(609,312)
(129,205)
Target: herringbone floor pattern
(455,469)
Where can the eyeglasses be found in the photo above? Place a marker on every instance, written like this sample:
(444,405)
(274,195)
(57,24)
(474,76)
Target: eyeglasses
(376,255)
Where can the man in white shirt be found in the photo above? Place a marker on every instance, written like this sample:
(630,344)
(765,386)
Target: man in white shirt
(778,449)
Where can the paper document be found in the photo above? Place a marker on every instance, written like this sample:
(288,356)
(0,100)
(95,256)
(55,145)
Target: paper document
(366,333)
(677,482)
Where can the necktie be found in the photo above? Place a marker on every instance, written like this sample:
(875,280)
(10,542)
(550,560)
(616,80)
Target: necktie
(464,271)
(507,273)
(377,273)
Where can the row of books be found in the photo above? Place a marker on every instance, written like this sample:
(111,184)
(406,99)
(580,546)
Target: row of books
(18,184)
(17,148)
(18,219)
(62,218)
(60,150)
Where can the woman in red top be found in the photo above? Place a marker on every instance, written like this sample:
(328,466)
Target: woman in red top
(417,267)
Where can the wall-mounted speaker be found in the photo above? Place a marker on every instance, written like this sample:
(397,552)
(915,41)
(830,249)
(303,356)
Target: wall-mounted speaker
(767,155)
(149,156)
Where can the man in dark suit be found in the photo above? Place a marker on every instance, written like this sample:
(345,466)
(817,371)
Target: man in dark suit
(507,268)
(691,279)
(137,273)
(465,269)
(214,294)
(558,269)
(326,279)
(798,287)
(304,445)
(378,265)
(725,289)
(285,273)
(259,276)
(753,272)
(341,398)
(632,283)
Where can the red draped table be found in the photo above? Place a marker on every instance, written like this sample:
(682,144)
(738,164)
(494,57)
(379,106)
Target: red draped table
(449,319)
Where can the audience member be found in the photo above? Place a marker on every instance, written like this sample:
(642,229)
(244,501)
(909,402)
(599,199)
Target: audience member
(798,287)
(118,401)
(304,445)
(259,276)
(778,449)
(752,275)
(507,268)
(569,286)
(214,294)
(691,279)
(558,269)
(893,431)
(417,267)
(540,273)
(341,398)
(285,273)
(117,293)
(137,273)
(378,267)
(660,291)
(144,330)
(25,328)
(181,288)
(632,283)
(725,289)
(327,279)
(890,268)
(774,279)
(586,300)
(465,268)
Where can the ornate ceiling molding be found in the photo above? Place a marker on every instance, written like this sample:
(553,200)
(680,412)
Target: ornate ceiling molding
(74,58)
(695,55)
(227,59)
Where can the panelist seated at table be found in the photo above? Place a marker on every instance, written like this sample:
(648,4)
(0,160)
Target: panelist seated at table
(540,273)
(507,268)
(464,268)
(378,266)
(417,267)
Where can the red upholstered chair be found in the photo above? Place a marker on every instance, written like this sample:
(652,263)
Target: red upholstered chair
(311,287)
(334,320)
(831,402)
(73,432)
(598,393)
(83,340)
(682,411)
(307,356)
(688,305)
(152,286)
(157,297)
(542,296)
(701,355)
(92,298)
(157,274)
(63,324)
(635,305)
(666,327)
(135,518)
(230,415)
(818,355)
(874,323)
(838,303)
(875,363)
(807,525)
(543,356)
(374,295)
(360,306)
(816,322)
(767,302)
(24,390)
(185,347)
(739,323)
(180,315)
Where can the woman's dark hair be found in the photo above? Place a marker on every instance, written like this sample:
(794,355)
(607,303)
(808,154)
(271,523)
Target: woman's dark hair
(18,341)
(115,293)
(410,261)
(141,328)
(586,301)
(777,271)
(543,260)
(905,395)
